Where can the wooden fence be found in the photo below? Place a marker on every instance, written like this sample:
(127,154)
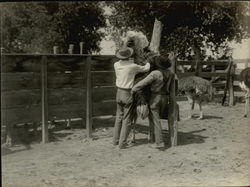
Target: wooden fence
(225,70)
(41,88)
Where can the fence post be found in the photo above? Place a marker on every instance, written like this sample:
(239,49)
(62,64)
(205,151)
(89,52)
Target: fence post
(172,115)
(81,47)
(44,94)
(231,85)
(71,48)
(212,90)
(55,50)
(228,71)
(246,64)
(88,98)
(247,107)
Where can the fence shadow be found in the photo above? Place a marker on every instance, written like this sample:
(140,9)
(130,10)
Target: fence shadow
(7,151)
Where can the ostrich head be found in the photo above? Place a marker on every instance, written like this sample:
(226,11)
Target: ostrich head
(139,42)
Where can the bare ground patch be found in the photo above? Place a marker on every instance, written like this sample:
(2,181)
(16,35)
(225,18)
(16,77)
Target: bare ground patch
(211,152)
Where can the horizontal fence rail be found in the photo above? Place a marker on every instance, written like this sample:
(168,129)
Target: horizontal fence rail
(41,88)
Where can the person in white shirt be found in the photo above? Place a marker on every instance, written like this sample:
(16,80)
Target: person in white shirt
(125,70)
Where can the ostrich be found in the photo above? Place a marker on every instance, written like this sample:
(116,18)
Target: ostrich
(138,41)
(197,90)
(245,86)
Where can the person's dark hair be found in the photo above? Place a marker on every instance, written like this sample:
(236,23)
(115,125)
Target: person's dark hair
(162,62)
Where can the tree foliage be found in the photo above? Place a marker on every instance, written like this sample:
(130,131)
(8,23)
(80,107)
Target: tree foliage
(38,26)
(187,25)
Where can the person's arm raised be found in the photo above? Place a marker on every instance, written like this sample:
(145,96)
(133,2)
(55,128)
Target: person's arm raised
(144,82)
(144,68)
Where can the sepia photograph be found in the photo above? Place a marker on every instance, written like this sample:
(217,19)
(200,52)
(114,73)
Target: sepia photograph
(125,93)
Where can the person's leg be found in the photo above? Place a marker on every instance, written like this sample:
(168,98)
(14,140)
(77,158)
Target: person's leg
(155,119)
(118,124)
(119,118)
(151,136)
(127,119)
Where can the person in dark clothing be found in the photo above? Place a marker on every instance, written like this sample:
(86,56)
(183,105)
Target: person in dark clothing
(159,81)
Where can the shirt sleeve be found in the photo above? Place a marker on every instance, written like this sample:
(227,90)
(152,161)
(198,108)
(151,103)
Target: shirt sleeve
(144,82)
(144,68)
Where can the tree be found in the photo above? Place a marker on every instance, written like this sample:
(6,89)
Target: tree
(188,26)
(38,26)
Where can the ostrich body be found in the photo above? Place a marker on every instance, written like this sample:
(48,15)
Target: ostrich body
(197,90)
(139,42)
(245,86)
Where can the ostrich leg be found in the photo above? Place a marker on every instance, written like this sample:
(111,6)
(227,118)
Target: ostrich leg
(247,98)
(201,112)
(191,102)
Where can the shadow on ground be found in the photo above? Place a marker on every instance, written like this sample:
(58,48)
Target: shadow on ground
(208,117)
(7,151)
(184,138)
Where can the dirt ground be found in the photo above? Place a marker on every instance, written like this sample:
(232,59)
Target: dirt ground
(211,152)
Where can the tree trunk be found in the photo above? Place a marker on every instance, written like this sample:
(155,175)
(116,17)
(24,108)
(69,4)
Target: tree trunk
(156,36)
(197,60)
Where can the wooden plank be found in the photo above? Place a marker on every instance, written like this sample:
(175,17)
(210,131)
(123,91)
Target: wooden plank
(218,84)
(18,63)
(21,115)
(238,61)
(236,83)
(213,74)
(101,63)
(103,78)
(66,111)
(185,74)
(28,98)
(71,111)
(21,80)
(104,93)
(20,98)
(66,63)
(104,108)
(66,96)
(33,114)
(88,98)
(44,86)
(66,80)
(192,62)
(181,98)
(202,74)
